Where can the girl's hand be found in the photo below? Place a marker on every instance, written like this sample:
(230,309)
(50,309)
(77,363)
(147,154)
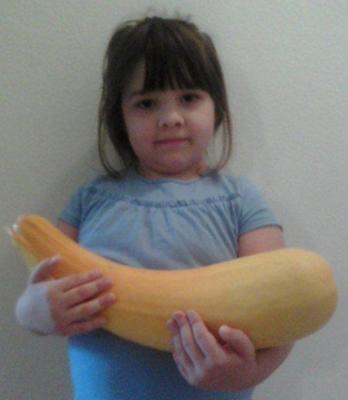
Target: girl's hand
(67,306)
(206,363)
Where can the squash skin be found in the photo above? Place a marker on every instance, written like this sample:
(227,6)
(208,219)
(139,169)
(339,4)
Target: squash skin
(275,297)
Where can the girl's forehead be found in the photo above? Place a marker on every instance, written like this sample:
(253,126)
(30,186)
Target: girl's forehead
(136,82)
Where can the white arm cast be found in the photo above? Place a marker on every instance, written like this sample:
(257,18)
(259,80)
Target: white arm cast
(32,308)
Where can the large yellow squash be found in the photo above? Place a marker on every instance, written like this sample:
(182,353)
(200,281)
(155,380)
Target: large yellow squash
(275,297)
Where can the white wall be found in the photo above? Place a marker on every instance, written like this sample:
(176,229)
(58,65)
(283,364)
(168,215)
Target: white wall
(286,69)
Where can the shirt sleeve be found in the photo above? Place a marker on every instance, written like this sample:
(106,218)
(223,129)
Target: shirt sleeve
(76,210)
(72,212)
(254,211)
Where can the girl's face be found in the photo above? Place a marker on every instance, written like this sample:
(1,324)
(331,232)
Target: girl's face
(169,130)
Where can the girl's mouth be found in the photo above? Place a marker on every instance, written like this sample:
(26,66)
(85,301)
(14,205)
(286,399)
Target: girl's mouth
(172,142)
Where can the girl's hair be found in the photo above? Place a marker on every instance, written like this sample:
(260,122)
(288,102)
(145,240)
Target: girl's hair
(176,55)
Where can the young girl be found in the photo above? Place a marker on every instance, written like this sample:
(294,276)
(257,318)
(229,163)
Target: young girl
(162,103)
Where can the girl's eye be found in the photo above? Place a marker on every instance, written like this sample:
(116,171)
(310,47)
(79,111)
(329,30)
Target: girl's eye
(190,98)
(145,104)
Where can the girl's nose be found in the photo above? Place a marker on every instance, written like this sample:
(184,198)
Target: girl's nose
(170,118)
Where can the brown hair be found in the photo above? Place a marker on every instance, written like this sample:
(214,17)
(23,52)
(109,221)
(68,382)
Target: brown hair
(176,55)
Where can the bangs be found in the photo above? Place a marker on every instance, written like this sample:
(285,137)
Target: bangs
(173,59)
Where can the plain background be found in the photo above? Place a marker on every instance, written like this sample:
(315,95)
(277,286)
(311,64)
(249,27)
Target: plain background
(286,68)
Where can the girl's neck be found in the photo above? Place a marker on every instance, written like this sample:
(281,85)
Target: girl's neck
(184,175)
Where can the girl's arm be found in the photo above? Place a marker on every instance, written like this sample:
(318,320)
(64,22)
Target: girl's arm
(68,230)
(261,240)
(66,306)
(231,364)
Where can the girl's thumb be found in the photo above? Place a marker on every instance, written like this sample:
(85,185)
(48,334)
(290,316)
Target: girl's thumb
(44,269)
(238,341)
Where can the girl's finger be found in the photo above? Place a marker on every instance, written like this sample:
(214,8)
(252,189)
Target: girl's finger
(172,327)
(86,291)
(181,359)
(238,341)
(205,340)
(79,328)
(44,270)
(184,370)
(72,281)
(90,308)
(188,342)
(179,354)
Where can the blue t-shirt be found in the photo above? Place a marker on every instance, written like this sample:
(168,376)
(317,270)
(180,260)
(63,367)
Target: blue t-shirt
(165,224)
